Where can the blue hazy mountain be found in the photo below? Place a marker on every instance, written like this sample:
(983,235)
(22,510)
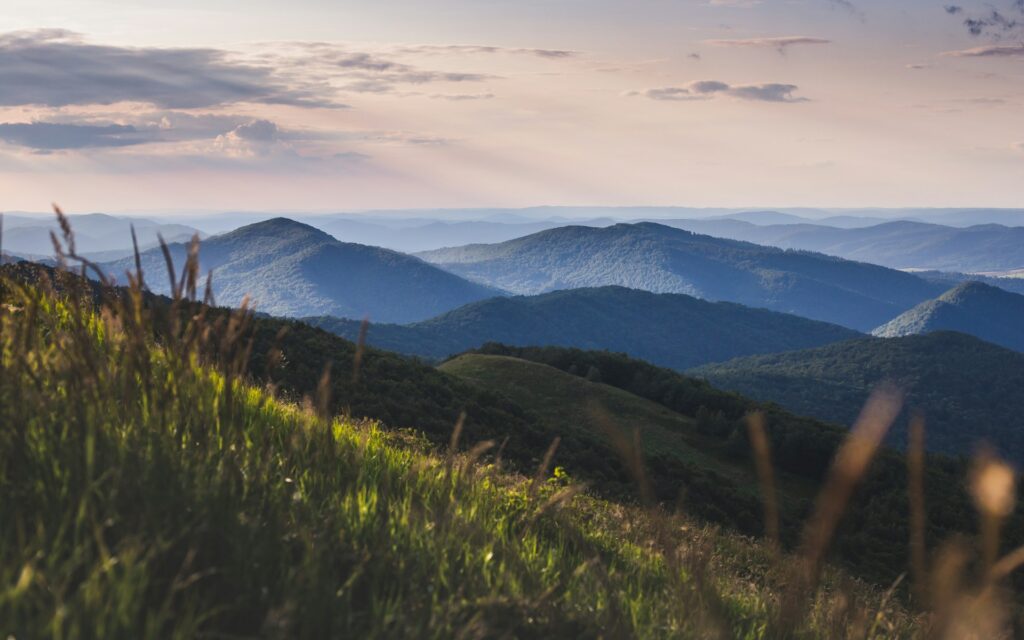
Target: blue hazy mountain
(900,245)
(291,269)
(670,330)
(663,259)
(97,235)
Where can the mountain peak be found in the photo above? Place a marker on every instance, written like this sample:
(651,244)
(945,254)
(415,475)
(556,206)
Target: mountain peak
(971,289)
(277,227)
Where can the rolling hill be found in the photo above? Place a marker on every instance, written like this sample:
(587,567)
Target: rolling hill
(974,308)
(967,390)
(662,259)
(900,244)
(596,420)
(291,269)
(695,449)
(671,330)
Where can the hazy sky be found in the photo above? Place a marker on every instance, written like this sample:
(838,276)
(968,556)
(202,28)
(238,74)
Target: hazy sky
(121,105)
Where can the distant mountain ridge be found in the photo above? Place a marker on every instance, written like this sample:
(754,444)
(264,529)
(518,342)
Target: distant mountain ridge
(898,244)
(974,308)
(663,259)
(292,269)
(967,390)
(671,330)
(97,235)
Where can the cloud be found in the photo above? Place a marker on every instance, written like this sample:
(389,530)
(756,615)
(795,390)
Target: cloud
(58,68)
(746,4)
(780,44)
(475,49)
(337,66)
(462,97)
(256,138)
(50,136)
(66,133)
(707,89)
(990,51)
(848,6)
(258,131)
(994,22)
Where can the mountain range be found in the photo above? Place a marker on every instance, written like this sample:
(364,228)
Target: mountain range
(425,235)
(968,390)
(975,308)
(672,330)
(98,236)
(663,259)
(291,269)
(900,245)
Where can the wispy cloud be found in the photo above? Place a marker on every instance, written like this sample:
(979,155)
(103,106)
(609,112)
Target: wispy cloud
(462,97)
(745,4)
(708,89)
(340,68)
(49,136)
(989,51)
(57,68)
(63,132)
(477,49)
(780,44)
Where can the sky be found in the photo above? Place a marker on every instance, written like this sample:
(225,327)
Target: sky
(318,105)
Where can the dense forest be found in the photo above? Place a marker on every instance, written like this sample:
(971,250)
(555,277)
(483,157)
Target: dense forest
(967,390)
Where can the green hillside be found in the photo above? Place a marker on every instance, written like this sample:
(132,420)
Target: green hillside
(969,391)
(147,494)
(802,448)
(672,330)
(601,418)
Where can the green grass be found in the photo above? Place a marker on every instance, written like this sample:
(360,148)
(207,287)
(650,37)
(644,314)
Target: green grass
(149,494)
